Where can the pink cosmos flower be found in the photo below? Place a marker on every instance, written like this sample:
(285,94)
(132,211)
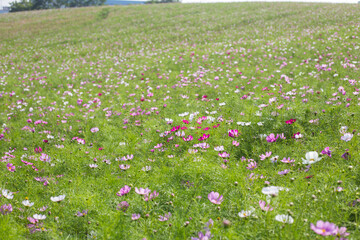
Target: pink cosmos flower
(324,228)
(151,196)
(6,209)
(10,167)
(265,207)
(142,191)
(252,166)
(234,133)
(126,189)
(282,136)
(165,217)
(44,157)
(272,138)
(123,206)
(80,141)
(288,160)
(135,216)
(264,156)
(124,167)
(326,151)
(202,236)
(204,136)
(94,130)
(189,138)
(38,150)
(341,232)
(291,121)
(235,143)
(224,155)
(284,172)
(215,197)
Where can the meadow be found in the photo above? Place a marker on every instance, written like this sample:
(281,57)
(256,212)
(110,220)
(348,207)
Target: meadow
(171,121)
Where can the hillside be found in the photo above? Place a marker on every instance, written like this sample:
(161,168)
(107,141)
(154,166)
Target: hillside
(238,120)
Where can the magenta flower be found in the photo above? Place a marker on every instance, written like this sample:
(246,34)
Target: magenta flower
(291,121)
(10,167)
(272,138)
(234,133)
(224,155)
(142,191)
(94,130)
(215,197)
(324,228)
(38,150)
(265,207)
(124,191)
(204,137)
(189,138)
(326,151)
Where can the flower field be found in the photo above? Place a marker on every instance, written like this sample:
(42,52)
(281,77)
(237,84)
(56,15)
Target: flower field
(171,121)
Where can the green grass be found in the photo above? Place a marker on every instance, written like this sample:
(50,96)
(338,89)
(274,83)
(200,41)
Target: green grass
(179,53)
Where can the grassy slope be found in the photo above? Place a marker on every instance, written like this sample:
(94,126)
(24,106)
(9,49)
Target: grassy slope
(67,45)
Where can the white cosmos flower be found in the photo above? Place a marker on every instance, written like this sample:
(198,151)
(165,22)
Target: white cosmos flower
(244,214)
(6,193)
(183,114)
(311,157)
(243,123)
(27,203)
(39,217)
(273,190)
(146,168)
(347,137)
(58,199)
(284,218)
(343,129)
(219,148)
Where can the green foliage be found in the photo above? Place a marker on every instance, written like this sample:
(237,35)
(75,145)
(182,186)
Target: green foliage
(103,14)
(27,5)
(24,5)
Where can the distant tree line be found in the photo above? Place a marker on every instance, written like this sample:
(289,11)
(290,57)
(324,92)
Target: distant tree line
(162,1)
(27,5)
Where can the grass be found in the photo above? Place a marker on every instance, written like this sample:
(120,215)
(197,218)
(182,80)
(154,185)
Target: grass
(128,70)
